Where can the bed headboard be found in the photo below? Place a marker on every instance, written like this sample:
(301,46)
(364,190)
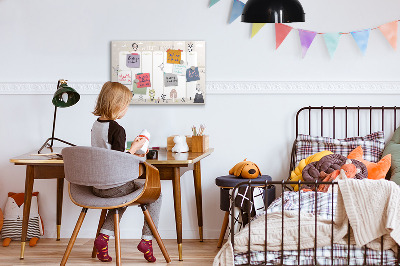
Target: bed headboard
(344,121)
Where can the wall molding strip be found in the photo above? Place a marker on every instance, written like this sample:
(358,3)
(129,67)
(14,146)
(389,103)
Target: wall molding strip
(231,87)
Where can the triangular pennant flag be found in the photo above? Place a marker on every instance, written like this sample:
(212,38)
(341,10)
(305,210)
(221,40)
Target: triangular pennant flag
(256,28)
(213,2)
(389,30)
(332,41)
(237,9)
(361,37)
(306,39)
(281,31)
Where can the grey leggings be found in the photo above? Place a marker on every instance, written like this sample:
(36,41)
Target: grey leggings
(154,208)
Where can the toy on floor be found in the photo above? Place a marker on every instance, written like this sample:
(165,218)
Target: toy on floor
(13,215)
(245,169)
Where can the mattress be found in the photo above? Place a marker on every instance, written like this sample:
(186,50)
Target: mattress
(324,206)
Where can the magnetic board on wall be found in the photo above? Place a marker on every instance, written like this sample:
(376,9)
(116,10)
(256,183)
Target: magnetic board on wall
(161,72)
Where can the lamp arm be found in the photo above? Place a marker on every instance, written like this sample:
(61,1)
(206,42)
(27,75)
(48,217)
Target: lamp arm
(55,115)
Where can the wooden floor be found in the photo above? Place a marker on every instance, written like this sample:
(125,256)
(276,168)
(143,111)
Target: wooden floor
(50,252)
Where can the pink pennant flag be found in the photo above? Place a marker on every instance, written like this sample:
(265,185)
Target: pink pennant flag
(389,30)
(306,39)
(281,31)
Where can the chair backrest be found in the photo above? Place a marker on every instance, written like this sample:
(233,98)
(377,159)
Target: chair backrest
(91,166)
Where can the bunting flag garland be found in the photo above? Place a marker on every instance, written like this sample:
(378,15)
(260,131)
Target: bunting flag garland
(306,39)
(256,27)
(361,37)
(332,41)
(213,2)
(237,9)
(389,30)
(281,31)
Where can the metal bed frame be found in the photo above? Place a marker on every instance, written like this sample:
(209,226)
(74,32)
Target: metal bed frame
(284,183)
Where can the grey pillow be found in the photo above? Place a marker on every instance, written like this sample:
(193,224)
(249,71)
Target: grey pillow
(393,148)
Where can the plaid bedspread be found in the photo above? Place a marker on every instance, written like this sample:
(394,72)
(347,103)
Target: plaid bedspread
(324,257)
(307,202)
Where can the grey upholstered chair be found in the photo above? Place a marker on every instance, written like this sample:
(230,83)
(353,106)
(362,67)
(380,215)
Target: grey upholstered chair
(85,167)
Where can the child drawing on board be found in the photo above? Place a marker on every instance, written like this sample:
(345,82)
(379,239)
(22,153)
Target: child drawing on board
(112,104)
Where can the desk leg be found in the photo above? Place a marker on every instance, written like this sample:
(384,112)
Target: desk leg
(197,189)
(60,190)
(27,206)
(176,182)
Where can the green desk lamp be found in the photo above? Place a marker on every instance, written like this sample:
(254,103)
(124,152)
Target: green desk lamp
(65,96)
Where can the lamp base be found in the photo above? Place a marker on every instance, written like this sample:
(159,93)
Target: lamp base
(50,146)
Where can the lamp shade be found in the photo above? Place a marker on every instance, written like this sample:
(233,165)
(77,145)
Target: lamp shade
(65,96)
(273,11)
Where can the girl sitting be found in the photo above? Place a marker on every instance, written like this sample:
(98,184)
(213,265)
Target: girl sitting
(112,104)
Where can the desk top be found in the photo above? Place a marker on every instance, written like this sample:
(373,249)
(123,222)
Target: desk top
(164,157)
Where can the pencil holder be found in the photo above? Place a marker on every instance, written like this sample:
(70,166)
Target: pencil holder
(200,143)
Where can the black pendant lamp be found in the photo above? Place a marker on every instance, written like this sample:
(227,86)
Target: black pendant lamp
(273,11)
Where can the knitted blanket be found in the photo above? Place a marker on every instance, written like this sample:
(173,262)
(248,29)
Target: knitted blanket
(373,209)
(274,235)
(371,206)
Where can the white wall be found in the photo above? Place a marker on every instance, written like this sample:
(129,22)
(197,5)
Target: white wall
(42,41)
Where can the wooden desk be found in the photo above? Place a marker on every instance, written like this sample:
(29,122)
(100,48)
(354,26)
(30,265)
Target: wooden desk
(40,167)
(169,165)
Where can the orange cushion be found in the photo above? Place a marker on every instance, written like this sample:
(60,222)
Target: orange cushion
(375,170)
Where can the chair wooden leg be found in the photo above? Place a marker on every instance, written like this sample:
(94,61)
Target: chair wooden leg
(154,230)
(101,222)
(223,229)
(117,239)
(73,237)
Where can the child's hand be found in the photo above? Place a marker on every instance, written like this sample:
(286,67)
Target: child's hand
(143,155)
(137,144)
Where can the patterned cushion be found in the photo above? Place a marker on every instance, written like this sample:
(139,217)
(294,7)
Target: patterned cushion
(372,144)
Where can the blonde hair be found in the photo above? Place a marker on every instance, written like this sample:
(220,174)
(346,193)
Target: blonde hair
(112,99)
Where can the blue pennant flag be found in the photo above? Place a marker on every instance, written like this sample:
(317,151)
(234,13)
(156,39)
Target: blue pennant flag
(237,9)
(361,37)
(332,41)
(213,2)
